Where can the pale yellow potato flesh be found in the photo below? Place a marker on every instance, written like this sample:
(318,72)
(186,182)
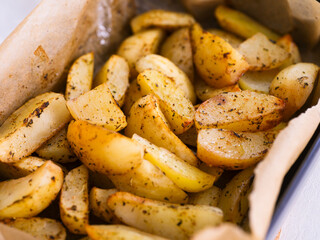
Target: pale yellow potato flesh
(116,73)
(80,76)
(133,94)
(240,111)
(146,120)
(233,150)
(31,125)
(287,44)
(98,107)
(161,19)
(209,197)
(164,219)
(217,62)
(30,195)
(101,150)
(233,40)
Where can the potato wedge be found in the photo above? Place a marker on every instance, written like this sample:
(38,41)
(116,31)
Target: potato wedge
(287,44)
(57,148)
(214,171)
(101,150)
(177,48)
(118,232)
(146,120)
(164,219)
(41,228)
(98,204)
(241,24)
(161,19)
(189,137)
(139,45)
(28,196)
(209,197)
(178,110)
(168,68)
(240,111)
(216,61)
(294,84)
(116,73)
(149,181)
(262,54)
(233,40)
(31,125)
(80,76)
(133,94)
(233,150)
(234,198)
(184,175)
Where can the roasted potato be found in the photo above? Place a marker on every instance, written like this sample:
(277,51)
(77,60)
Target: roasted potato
(233,150)
(216,61)
(101,150)
(146,120)
(240,111)
(28,196)
(168,68)
(294,85)
(209,197)
(80,76)
(214,171)
(31,125)
(162,19)
(116,73)
(233,40)
(177,48)
(164,219)
(287,44)
(133,94)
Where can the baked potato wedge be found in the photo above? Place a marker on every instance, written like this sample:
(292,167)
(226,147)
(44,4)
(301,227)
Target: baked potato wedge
(287,44)
(240,111)
(214,171)
(146,120)
(116,73)
(164,219)
(133,94)
(98,107)
(101,150)
(216,61)
(31,125)
(233,40)
(28,196)
(209,197)
(161,19)
(233,150)
(80,76)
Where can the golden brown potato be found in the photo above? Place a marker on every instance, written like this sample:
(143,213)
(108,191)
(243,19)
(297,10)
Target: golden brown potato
(162,19)
(147,120)
(116,73)
(233,40)
(133,94)
(80,76)
(31,125)
(294,84)
(101,150)
(98,107)
(287,44)
(214,171)
(262,54)
(216,61)
(177,48)
(139,45)
(209,197)
(240,111)
(233,150)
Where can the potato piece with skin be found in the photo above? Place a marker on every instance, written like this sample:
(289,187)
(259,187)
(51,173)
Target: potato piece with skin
(262,54)
(287,44)
(214,171)
(41,228)
(80,76)
(233,150)
(101,150)
(233,40)
(168,68)
(28,196)
(149,181)
(216,61)
(118,232)
(184,175)
(98,107)
(209,197)
(243,111)
(116,73)
(146,120)
(31,125)
(177,48)
(133,95)
(161,19)
(74,200)
(164,219)
(294,84)
(139,45)
(177,109)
